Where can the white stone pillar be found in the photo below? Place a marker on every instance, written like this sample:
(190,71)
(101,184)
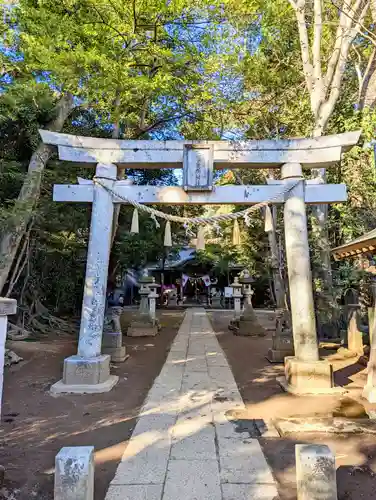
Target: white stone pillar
(89,370)
(299,268)
(7,308)
(94,302)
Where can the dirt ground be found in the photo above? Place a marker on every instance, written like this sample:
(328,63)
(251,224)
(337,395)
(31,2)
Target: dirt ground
(35,425)
(256,379)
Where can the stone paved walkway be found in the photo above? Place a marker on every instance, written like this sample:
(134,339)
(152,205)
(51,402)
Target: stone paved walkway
(183,447)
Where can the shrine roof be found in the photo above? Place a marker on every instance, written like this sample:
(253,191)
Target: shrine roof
(361,245)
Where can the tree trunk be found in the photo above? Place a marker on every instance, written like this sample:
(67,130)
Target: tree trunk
(321,231)
(29,194)
(368,89)
(115,219)
(279,289)
(275,258)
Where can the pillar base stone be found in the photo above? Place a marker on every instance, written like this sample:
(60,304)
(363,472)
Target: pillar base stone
(247,328)
(278,355)
(118,354)
(112,344)
(308,377)
(143,328)
(369,393)
(85,375)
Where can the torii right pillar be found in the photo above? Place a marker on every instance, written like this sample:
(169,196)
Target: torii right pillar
(305,373)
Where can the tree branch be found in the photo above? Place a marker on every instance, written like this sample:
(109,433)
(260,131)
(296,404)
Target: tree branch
(342,26)
(335,86)
(304,42)
(316,48)
(160,122)
(367,76)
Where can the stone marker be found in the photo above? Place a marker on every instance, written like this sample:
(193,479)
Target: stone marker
(112,341)
(283,344)
(315,472)
(7,308)
(145,323)
(369,391)
(248,324)
(74,473)
(353,316)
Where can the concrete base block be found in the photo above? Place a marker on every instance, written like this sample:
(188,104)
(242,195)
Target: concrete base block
(141,329)
(369,393)
(118,354)
(62,388)
(79,370)
(308,377)
(247,328)
(112,339)
(85,375)
(74,473)
(315,472)
(278,355)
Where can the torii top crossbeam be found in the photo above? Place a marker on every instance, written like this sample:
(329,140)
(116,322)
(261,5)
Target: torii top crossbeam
(198,159)
(310,153)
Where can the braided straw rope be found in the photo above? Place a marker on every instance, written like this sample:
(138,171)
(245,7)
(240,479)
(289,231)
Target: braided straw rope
(214,219)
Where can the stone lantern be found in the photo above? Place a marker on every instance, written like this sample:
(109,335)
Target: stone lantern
(248,324)
(142,325)
(145,281)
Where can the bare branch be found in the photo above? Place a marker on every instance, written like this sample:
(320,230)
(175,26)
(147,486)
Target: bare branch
(342,27)
(358,70)
(335,86)
(365,31)
(367,76)
(304,42)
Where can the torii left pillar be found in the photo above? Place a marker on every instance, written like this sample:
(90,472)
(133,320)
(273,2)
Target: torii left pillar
(88,371)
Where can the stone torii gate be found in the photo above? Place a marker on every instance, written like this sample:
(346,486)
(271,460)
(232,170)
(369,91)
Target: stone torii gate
(89,370)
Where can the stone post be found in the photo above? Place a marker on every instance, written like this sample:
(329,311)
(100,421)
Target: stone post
(237,295)
(353,317)
(304,372)
(89,370)
(153,295)
(369,391)
(248,324)
(283,345)
(143,325)
(8,307)
(315,472)
(372,314)
(112,342)
(74,473)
